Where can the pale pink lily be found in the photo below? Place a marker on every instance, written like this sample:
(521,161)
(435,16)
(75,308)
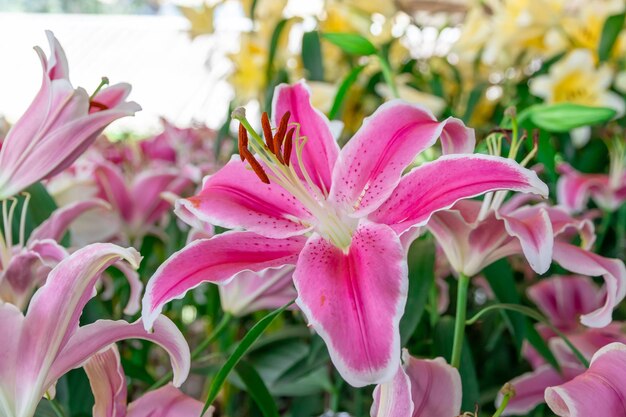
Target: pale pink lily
(59,125)
(575,188)
(420,388)
(108,384)
(24,265)
(472,240)
(137,202)
(338,216)
(599,391)
(254,291)
(39,347)
(562,299)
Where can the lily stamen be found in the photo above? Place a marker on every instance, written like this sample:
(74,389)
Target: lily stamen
(288,146)
(267,131)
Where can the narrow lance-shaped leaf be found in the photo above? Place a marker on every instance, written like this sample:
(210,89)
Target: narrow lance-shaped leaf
(611,30)
(257,389)
(312,58)
(351,43)
(343,89)
(255,332)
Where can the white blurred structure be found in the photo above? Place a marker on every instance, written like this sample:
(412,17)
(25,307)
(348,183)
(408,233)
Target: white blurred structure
(168,71)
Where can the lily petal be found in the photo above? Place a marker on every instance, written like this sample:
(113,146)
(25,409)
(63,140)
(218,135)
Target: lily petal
(354,300)
(564,298)
(530,388)
(92,338)
(533,228)
(393,398)
(59,221)
(321,150)
(214,260)
(108,383)
(167,401)
(599,391)
(54,312)
(234,197)
(580,261)
(372,162)
(435,387)
(439,184)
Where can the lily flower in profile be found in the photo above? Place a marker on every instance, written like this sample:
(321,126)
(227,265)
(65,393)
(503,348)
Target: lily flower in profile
(29,369)
(540,232)
(608,191)
(60,124)
(562,299)
(599,391)
(338,216)
(420,388)
(108,384)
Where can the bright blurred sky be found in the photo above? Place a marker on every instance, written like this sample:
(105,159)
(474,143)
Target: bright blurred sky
(171,75)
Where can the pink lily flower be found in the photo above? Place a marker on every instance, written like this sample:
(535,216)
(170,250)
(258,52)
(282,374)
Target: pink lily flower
(137,202)
(575,188)
(29,369)
(108,384)
(24,266)
(562,299)
(599,391)
(420,388)
(337,215)
(472,240)
(60,124)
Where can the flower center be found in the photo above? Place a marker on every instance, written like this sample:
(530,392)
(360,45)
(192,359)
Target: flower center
(277,154)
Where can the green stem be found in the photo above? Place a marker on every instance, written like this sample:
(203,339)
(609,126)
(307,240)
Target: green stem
(388,75)
(621,230)
(55,407)
(534,315)
(505,401)
(459,323)
(226,318)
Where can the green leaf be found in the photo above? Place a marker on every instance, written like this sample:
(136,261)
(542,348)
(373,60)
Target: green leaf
(278,30)
(443,341)
(472,101)
(501,280)
(611,30)
(421,260)
(343,89)
(312,58)
(255,332)
(563,117)
(257,389)
(351,43)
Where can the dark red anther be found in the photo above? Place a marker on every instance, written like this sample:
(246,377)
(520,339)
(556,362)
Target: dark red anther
(256,166)
(243,141)
(288,146)
(267,132)
(280,134)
